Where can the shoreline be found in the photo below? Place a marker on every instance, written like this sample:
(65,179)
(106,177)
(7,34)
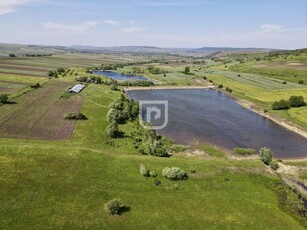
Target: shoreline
(280,121)
(132,88)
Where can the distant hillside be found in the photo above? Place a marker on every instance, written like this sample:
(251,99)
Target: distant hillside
(6,49)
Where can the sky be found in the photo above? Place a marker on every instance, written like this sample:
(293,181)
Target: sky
(278,24)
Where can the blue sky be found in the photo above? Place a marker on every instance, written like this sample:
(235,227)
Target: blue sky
(163,23)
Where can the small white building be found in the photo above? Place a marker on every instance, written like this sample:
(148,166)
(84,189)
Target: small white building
(76,89)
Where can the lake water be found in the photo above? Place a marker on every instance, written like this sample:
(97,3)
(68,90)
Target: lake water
(211,116)
(119,76)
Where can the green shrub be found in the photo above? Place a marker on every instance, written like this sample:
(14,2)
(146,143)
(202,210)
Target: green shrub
(158,149)
(192,170)
(153,174)
(296,101)
(114,207)
(174,173)
(4,98)
(156,182)
(114,87)
(143,171)
(274,165)
(266,155)
(280,105)
(301,82)
(75,116)
(244,151)
(35,86)
(220,86)
(112,130)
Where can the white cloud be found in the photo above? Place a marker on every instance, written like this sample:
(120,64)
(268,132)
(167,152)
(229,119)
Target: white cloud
(111,22)
(133,29)
(270,28)
(70,28)
(9,6)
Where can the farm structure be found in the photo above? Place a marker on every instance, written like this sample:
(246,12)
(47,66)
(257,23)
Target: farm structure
(76,89)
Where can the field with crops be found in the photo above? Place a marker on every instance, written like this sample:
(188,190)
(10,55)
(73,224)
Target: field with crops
(40,114)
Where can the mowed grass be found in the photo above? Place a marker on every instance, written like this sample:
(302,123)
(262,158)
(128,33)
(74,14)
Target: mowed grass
(256,80)
(40,113)
(65,184)
(287,73)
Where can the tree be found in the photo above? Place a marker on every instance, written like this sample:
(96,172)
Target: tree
(4,98)
(112,130)
(114,206)
(280,105)
(301,82)
(61,70)
(266,155)
(187,70)
(12,55)
(296,101)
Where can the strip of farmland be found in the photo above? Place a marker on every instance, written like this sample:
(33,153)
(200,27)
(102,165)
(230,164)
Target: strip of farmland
(40,114)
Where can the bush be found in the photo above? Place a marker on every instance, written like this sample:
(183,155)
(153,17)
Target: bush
(114,206)
(296,101)
(187,70)
(4,98)
(35,86)
(156,182)
(144,172)
(301,82)
(114,87)
(174,173)
(220,86)
(266,155)
(244,151)
(280,105)
(274,165)
(158,149)
(192,170)
(112,130)
(153,174)
(75,116)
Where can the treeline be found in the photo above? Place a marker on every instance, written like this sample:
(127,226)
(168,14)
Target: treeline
(99,80)
(155,70)
(294,101)
(145,140)
(122,65)
(31,55)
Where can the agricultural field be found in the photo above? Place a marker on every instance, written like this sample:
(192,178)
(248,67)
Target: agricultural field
(40,114)
(290,67)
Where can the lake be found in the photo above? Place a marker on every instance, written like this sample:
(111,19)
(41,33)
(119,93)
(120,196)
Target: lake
(210,116)
(119,76)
